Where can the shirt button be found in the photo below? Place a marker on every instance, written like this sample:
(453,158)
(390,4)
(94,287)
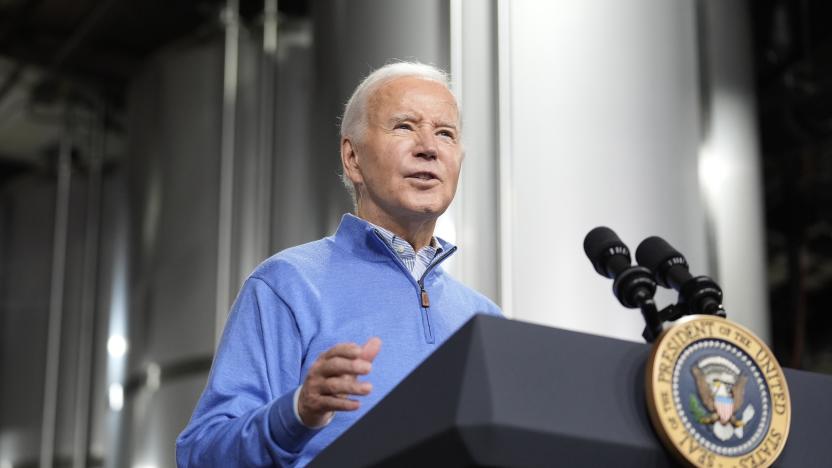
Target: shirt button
(400,249)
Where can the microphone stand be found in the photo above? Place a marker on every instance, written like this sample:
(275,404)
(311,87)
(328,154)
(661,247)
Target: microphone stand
(653,322)
(699,295)
(634,288)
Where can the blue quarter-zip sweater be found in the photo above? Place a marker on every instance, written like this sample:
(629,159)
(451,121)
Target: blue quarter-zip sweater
(296,305)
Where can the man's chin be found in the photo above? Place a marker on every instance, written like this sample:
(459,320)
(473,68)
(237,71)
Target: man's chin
(425,210)
(431,212)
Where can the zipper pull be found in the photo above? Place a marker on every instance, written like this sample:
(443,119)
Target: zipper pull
(425,299)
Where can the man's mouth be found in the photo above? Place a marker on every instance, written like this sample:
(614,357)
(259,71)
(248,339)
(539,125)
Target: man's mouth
(423,176)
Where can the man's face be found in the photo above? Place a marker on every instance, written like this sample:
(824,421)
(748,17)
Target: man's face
(407,163)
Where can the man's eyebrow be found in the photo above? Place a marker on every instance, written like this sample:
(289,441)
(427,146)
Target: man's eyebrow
(446,124)
(402,117)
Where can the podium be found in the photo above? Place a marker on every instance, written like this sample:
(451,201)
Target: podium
(512,394)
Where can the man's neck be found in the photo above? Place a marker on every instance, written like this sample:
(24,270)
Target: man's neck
(418,233)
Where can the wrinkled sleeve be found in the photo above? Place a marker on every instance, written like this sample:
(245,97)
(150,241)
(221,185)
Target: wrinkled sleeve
(245,416)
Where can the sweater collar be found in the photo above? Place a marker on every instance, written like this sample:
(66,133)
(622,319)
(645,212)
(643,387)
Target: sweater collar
(357,234)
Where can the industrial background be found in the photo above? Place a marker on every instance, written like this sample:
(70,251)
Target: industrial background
(153,153)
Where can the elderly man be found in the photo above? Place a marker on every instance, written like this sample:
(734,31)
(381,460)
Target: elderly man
(289,376)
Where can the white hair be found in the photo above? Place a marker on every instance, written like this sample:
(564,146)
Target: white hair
(355,119)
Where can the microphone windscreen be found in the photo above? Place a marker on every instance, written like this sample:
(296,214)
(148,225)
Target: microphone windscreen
(598,242)
(654,251)
(668,265)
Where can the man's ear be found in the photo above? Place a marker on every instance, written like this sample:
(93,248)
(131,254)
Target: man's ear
(349,161)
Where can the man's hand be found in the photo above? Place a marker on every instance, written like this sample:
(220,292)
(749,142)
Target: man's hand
(333,378)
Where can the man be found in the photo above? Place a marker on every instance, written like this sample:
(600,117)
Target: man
(288,377)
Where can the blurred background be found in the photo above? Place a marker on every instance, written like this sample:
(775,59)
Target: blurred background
(153,153)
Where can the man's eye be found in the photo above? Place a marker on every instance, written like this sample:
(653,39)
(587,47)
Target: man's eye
(403,126)
(446,133)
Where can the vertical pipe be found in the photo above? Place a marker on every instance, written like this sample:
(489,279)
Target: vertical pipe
(711,251)
(88,307)
(118,312)
(505,162)
(455,215)
(267,128)
(457,11)
(730,168)
(270,27)
(475,221)
(56,298)
(229,118)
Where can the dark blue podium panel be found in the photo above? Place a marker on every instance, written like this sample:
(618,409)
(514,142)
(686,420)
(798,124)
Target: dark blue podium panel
(513,394)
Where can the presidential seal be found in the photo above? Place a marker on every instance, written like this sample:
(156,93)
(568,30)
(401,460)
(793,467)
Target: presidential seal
(716,395)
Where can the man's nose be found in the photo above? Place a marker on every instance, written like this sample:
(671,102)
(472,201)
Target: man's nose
(426,145)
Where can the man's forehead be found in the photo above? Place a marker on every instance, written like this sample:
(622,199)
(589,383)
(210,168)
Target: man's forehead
(395,90)
(409,98)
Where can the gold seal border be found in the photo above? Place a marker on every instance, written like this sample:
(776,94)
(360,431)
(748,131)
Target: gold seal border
(659,395)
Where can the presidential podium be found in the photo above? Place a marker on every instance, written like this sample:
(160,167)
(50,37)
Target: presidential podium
(502,393)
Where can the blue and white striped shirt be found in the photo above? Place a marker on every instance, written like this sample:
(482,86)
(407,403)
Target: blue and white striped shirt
(416,262)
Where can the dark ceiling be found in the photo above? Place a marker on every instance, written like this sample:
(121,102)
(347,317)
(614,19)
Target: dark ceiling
(101,42)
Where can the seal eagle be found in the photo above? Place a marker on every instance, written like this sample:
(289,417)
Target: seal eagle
(721,393)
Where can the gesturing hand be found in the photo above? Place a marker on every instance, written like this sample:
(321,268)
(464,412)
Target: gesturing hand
(333,378)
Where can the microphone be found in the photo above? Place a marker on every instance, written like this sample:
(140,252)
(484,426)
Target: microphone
(697,295)
(669,266)
(632,285)
(609,256)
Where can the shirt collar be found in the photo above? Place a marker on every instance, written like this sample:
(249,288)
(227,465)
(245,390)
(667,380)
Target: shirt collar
(403,248)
